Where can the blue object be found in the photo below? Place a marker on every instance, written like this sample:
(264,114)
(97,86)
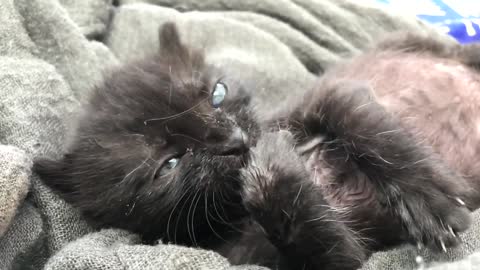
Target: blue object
(458,18)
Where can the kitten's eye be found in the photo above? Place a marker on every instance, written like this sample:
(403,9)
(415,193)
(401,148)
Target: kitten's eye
(167,167)
(171,163)
(218,94)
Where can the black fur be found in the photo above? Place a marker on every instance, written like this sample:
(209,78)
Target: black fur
(265,206)
(411,184)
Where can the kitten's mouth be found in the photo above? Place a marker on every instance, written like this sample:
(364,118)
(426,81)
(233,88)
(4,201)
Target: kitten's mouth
(236,145)
(232,155)
(235,157)
(234,152)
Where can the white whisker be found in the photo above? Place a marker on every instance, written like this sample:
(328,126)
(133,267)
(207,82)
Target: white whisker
(175,115)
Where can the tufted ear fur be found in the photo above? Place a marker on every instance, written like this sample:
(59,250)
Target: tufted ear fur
(174,52)
(170,40)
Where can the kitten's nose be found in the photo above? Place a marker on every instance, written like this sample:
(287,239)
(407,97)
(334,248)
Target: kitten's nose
(236,144)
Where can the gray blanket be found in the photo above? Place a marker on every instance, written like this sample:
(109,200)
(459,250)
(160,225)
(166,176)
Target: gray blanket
(52,52)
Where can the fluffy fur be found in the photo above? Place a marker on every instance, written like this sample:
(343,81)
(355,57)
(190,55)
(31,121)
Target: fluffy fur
(344,173)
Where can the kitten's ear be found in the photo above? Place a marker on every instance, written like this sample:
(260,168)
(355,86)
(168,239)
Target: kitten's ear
(174,51)
(170,43)
(54,173)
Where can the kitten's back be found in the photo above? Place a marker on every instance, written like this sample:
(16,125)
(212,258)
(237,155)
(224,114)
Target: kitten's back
(436,97)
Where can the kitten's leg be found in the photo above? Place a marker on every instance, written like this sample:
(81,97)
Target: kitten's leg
(416,186)
(281,197)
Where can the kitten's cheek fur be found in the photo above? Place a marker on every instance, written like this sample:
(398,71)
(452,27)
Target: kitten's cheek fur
(53,174)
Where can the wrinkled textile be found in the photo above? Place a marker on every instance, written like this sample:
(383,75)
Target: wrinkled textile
(52,52)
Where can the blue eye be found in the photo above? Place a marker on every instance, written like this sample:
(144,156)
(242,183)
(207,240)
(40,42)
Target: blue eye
(167,167)
(218,94)
(171,163)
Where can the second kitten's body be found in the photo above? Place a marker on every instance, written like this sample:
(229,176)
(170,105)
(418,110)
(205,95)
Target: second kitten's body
(428,92)
(436,99)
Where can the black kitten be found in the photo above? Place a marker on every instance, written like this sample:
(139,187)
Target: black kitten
(158,144)
(169,148)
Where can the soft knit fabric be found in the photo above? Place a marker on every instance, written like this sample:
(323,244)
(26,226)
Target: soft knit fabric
(52,52)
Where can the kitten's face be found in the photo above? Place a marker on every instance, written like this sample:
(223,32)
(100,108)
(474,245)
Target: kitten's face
(159,149)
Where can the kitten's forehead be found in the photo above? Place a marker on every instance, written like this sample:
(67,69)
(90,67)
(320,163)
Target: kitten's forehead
(190,92)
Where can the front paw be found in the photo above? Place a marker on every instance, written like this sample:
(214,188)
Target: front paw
(433,218)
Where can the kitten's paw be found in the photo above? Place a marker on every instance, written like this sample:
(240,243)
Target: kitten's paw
(434,219)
